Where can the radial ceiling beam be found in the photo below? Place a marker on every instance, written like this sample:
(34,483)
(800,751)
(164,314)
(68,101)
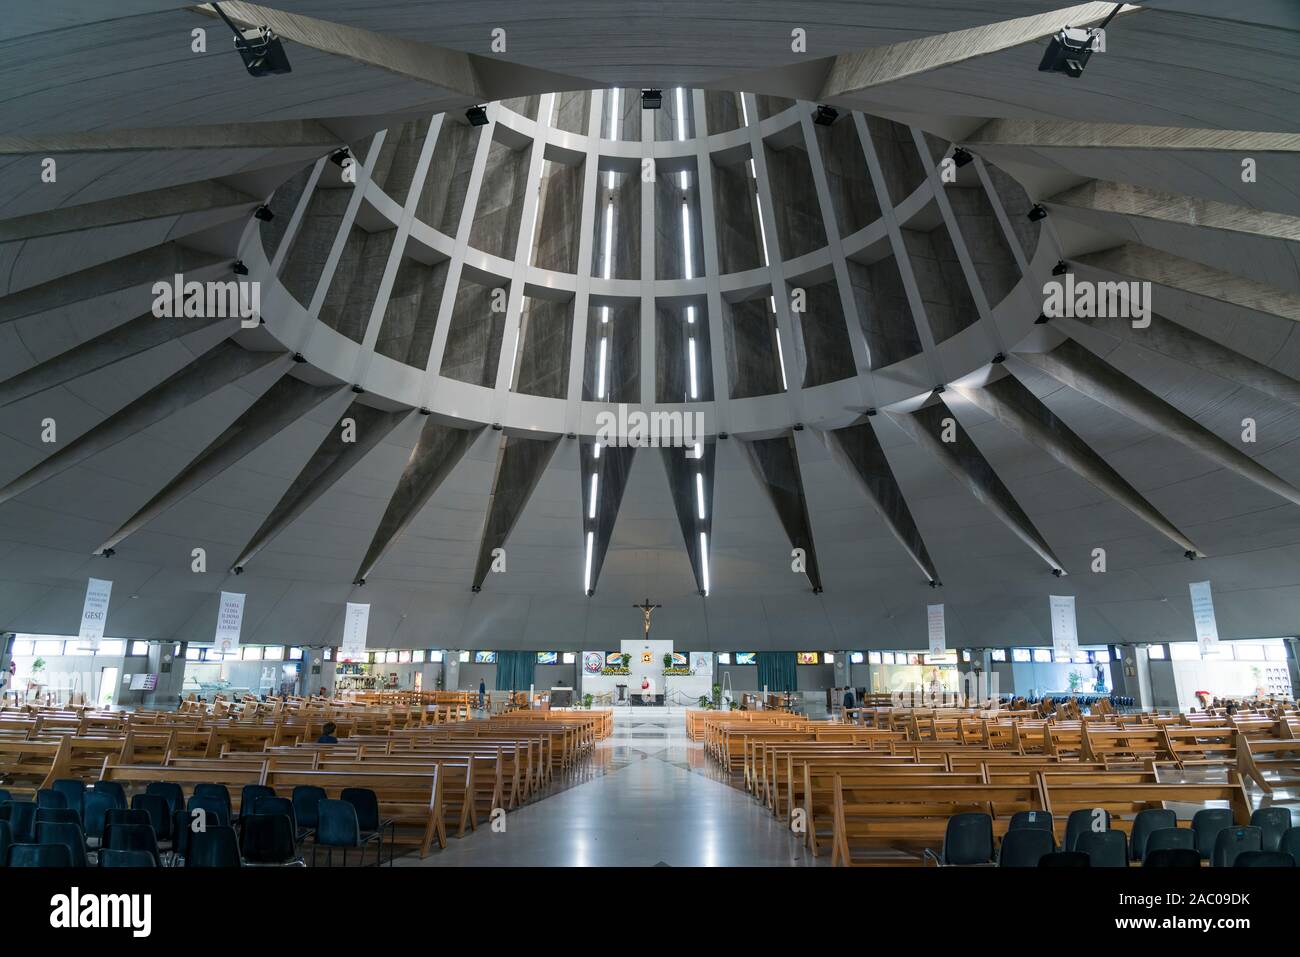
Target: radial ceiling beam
(1166,269)
(121,210)
(776,465)
(333,459)
(519,468)
(478,79)
(436,453)
(197,380)
(1064,134)
(1015,407)
(611,471)
(1201,352)
(1124,199)
(129,339)
(140,269)
(852,73)
(276,409)
(1074,366)
(858,450)
(964,460)
(682,486)
(280,134)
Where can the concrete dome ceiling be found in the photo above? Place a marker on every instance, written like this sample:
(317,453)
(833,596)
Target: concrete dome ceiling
(474,427)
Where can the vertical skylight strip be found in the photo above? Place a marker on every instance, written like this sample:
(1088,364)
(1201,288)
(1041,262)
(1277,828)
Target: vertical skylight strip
(609,238)
(699,495)
(704,559)
(681,113)
(586,575)
(591,506)
(780,358)
(695,388)
(686,240)
(600,375)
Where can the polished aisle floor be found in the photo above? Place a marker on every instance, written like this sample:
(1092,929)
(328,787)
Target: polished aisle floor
(649,796)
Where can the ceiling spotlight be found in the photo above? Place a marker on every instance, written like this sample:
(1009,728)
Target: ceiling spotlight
(238,268)
(477,115)
(260,49)
(109,552)
(340,156)
(825,115)
(238,569)
(1189,555)
(1060,269)
(1068,51)
(361,582)
(1042,318)
(476,588)
(999,358)
(817,589)
(652,99)
(299,357)
(871,412)
(358,390)
(263,213)
(961,157)
(1037,211)
(1057,572)
(935,583)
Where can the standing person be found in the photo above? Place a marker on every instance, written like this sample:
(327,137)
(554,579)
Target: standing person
(482,692)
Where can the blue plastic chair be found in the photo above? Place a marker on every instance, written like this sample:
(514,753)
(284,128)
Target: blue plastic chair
(112,857)
(67,834)
(38,855)
(215,847)
(1272,822)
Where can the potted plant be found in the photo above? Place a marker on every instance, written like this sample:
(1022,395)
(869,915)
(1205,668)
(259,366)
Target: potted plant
(705,703)
(627,659)
(717,695)
(586,700)
(668,659)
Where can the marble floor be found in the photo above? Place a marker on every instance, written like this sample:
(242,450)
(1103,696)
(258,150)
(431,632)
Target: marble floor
(648,796)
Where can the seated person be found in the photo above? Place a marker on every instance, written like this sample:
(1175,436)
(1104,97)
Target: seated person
(327,734)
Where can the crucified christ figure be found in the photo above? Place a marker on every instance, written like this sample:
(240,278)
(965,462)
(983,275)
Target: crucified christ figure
(647,610)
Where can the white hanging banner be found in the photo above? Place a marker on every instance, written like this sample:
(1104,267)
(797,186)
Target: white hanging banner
(938,636)
(1065,631)
(94,612)
(230,619)
(1207,629)
(356,621)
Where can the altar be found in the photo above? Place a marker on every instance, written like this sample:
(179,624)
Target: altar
(674,677)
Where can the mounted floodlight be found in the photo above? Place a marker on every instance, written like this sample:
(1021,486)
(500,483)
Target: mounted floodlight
(652,99)
(238,268)
(1060,269)
(477,115)
(1037,212)
(340,156)
(260,49)
(264,214)
(1070,48)
(961,157)
(825,115)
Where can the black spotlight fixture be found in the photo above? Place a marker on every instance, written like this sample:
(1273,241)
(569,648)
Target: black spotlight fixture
(340,156)
(825,115)
(1067,52)
(1036,212)
(238,569)
(358,390)
(476,588)
(477,115)
(1189,555)
(1057,572)
(238,268)
(263,213)
(1060,269)
(999,358)
(299,357)
(652,99)
(961,157)
(935,583)
(109,552)
(817,589)
(1041,320)
(360,583)
(260,49)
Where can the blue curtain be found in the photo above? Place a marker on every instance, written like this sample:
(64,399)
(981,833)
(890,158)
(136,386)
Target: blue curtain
(515,670)
(776,671)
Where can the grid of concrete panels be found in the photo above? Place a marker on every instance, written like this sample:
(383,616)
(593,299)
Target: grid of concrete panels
(724,249)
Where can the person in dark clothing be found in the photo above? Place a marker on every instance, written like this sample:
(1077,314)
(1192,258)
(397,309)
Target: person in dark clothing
(482,692)
(327,734)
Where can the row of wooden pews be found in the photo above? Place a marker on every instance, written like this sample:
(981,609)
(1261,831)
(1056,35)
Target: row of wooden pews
(880,788)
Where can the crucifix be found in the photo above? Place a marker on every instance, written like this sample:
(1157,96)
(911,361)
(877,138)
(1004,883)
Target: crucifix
(647,610)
